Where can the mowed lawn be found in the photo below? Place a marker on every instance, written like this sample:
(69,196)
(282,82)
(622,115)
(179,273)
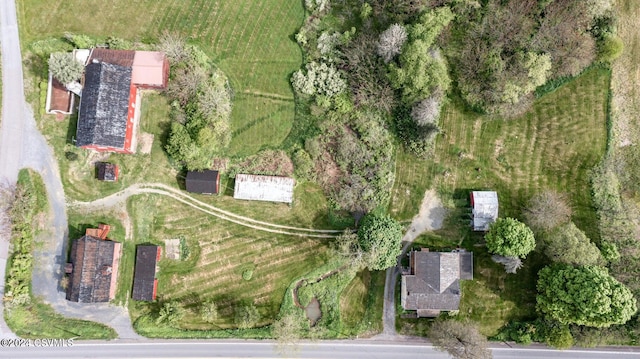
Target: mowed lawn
(251,41)
(219,253)
(553,146)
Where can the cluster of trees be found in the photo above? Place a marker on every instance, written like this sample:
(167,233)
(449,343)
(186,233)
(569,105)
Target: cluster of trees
(376,245)
(508,48)
(201,105)
(575,289)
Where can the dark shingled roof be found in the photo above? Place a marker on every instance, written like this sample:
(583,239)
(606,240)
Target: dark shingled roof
(93,262)
(202,181)
(107,171)
(145,272)
(104,106)
(435,280)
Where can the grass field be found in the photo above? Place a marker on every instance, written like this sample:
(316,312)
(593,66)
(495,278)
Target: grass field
(219,253)
(553,146)
(251,41)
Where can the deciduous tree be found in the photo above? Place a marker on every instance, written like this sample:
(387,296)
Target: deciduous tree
(208,311)
(381,236)
(568,244)
(584,295)
(461,340)
(547,210)
(391,42)
(510,237)
(287,331)
(246,315)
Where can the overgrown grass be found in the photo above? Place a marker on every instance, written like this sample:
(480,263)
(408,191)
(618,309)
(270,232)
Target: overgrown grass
(251,41)
(40,320)
(219,254)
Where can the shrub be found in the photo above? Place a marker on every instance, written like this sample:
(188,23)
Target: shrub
(610,48)
(64,67)
(247,274)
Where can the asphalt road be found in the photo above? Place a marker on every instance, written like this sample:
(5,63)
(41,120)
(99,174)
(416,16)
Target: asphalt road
(261,349)
(12,126)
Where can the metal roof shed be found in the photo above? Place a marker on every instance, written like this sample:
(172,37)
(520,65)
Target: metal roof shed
(485,209)
(264,188)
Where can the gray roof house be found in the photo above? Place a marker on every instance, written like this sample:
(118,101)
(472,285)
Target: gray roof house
(433,282)
(484,206)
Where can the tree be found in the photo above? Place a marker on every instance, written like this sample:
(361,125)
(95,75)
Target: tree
(391,42)
(510,237)
(246,315)
(461,340)
(511,264)
(547,210)
(170,313)
(64,67)
(209,311)
(320,79)
(427,111)
(568,244)
(174,46)
(380,236)
(287,331)
(583,295)
(421,71)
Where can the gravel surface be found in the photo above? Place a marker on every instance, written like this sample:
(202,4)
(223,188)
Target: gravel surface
(429,218)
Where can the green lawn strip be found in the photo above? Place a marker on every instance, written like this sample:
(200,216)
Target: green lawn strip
(220,252)
(33,318)
(361,304)
(40,320)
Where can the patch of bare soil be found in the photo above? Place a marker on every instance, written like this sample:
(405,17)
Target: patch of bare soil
(145,141)
(430,217)
(172,248)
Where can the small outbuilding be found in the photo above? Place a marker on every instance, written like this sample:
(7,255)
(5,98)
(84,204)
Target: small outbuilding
(145,283)
(205,182)
(484,206)
(264,188)
(107,172)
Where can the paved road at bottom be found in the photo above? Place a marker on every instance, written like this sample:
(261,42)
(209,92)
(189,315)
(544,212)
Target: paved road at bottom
(265,349)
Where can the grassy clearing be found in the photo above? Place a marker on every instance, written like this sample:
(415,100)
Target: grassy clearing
(553,146)
(361,303)
(219,253)
(251,41)
(40,320)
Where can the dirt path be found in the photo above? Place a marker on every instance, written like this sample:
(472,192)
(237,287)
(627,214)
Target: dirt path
(429,218)
(118,200)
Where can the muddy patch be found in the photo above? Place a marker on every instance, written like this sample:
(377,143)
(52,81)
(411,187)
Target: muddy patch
(145,142)
(313,311)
